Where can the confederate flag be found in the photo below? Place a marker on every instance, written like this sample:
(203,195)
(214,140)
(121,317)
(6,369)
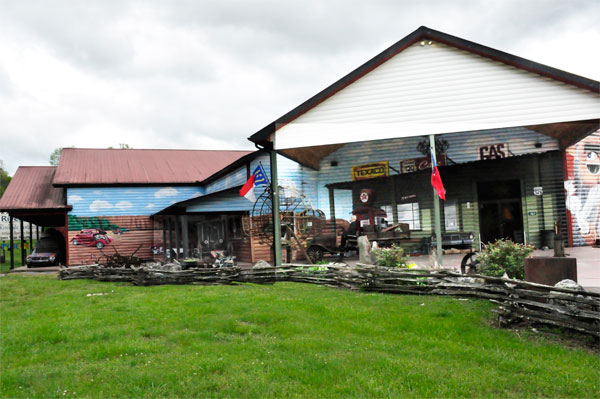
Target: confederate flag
(436,180)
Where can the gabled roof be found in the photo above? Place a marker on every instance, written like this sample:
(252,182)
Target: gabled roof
(423,33)
(31,189)
(117,167)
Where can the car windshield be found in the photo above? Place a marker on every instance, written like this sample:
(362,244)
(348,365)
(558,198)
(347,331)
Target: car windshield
(47,245)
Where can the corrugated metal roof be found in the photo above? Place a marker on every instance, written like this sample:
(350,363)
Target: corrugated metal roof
(31,188)
(82,166)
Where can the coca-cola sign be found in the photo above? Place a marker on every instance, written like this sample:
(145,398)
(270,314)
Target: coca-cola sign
(417,164)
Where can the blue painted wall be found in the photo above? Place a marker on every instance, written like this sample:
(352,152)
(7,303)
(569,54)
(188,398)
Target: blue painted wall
(127,201)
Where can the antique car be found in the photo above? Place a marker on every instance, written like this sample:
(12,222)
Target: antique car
(48,252)
(368,221)
(92,238)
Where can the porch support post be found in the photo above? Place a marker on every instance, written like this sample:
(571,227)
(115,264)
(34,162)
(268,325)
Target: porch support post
(171,254)
(30,238)
(23,253)
(37,232)
(332,209)
(436,211)
(12,242)
(276,221)
(163,221)
(185,236)
(176,238)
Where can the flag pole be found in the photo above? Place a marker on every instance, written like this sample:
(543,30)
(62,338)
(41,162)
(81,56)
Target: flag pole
(276,221)
(436,210)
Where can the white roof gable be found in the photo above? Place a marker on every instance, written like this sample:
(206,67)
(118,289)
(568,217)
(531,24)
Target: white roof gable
(436,89)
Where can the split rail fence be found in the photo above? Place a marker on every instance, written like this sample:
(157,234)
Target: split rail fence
(518,301)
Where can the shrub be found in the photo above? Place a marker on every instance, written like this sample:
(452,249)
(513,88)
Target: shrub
(391,257)
(504,256)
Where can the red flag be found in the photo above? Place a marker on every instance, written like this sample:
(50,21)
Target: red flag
(436,180)
(247,190)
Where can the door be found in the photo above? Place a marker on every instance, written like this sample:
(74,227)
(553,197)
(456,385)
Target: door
(500,213)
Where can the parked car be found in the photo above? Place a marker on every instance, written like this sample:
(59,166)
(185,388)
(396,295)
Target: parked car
(92,238)
(48,252)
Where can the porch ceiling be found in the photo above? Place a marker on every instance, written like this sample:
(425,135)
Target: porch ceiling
(568,133)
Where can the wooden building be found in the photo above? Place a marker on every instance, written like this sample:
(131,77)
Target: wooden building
(501,124)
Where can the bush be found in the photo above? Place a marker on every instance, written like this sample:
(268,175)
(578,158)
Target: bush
(504,256)
(391,257)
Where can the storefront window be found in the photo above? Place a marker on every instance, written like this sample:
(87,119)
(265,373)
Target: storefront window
(388,209)
(450,216)
(409,213)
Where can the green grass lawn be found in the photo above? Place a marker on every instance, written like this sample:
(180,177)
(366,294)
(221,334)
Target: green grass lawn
(5,266)
(284,340)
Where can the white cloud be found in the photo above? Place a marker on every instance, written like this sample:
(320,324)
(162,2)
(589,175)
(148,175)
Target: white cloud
(74,198)
(124,205)
(97,192)
(166,192)
(100,205)
(150,206)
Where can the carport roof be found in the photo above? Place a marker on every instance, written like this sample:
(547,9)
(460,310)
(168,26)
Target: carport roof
(31,189)
(86,167)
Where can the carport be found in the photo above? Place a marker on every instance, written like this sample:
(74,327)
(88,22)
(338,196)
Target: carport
(30,197)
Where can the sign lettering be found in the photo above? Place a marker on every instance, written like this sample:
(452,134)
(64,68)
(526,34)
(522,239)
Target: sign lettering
(370,171)
(493,151)
(423,163)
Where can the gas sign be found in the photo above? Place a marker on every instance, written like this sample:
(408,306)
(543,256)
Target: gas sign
(370,171)
(493,151)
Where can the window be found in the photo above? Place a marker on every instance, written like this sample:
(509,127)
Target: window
(450,216)
(409,213)
(389,210)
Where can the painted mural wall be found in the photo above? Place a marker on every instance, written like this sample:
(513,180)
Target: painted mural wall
(109,219)
(583,190)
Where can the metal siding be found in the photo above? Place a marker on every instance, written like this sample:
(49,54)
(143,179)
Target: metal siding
(437,89)
(583,190)
(223,202)
(291,174)
(462,148)
(235,178)
(127,201)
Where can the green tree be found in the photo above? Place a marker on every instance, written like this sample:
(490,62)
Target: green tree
(4,178)
(55,156)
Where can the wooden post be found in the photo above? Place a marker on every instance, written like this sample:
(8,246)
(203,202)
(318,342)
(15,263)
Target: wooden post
(170,224)
(436,209)
(332,209)
(276,221)
(185,236)
(37,232)
(30,238)
(176,228)
(12,243)
(23,252)
(164,235)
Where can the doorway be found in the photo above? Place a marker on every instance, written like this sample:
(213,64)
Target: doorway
(500,213)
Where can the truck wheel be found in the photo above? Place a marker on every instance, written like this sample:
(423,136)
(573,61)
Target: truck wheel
(99,245)
(315,253)
(469,263)
(75,242)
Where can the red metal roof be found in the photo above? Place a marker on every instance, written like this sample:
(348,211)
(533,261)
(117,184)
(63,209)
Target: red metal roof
(31,188)
(79,166)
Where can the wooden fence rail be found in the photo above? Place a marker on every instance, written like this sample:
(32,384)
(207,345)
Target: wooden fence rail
(517,300)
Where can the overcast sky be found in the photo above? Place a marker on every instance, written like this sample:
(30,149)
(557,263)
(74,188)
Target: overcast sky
(207,74)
